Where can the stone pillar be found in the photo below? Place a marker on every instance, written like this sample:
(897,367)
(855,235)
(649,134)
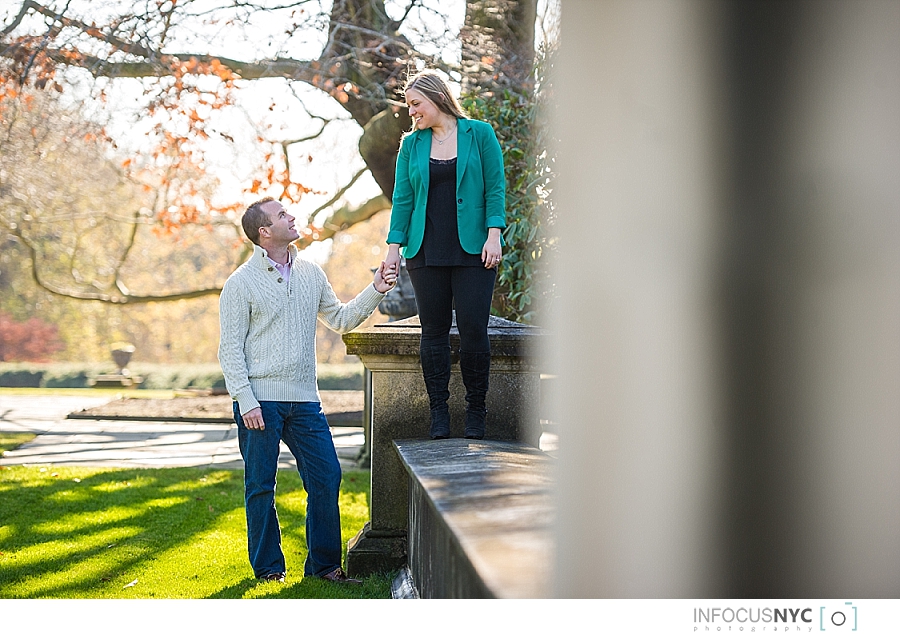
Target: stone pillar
(400,411)
(730,214)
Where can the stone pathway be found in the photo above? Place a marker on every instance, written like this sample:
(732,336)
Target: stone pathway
(111,443)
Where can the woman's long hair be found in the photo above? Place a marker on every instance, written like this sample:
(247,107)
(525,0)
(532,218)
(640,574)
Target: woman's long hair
(435,89)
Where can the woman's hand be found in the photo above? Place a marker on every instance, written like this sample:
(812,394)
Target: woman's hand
(392,261)
(385,279)
(491,252)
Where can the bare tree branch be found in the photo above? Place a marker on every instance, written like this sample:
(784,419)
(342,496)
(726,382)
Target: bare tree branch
(309,137)
(406,13)
(121,299)
(337,196)
(93,31)
(123,256)
(23,11)
(341,219)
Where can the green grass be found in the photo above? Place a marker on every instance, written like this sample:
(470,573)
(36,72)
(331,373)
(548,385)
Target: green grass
(83,533)
(9,441)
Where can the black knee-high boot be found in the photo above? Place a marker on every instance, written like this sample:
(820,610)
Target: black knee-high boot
(436,372)
(475,368)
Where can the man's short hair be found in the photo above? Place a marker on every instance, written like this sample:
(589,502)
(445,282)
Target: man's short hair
(254,218)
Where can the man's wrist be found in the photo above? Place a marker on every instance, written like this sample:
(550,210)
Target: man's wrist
(246,402)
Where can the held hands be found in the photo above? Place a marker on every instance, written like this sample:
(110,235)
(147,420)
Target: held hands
(491,252)
(392,261)
(385,277)
(253,419)
(389,269)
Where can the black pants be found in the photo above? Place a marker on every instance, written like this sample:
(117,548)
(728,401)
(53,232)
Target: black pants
(471,288)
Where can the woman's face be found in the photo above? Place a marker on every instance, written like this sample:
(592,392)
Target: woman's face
(423,112)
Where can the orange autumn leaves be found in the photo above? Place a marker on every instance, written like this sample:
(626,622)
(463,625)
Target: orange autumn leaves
(182,104)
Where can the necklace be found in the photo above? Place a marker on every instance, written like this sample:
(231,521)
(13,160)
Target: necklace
(441,141)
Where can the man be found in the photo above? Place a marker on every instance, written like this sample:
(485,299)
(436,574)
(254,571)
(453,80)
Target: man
(267,312)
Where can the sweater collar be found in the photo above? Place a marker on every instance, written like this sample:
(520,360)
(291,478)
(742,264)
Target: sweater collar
(260,257)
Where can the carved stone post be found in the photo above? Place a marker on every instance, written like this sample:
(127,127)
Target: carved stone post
(400,411)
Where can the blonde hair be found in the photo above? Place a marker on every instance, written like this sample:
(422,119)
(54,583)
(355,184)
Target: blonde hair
(435,90)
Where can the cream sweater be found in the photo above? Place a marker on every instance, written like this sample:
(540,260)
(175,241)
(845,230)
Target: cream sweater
(267,346)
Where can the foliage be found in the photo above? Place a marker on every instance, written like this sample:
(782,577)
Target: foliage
(31,340)
(199,112)
(82,221)
(517,117)
(192,74)
(140,131)
(87,329)
(343,376)
(340,376)
(71,224)
(78,375)
(86,533)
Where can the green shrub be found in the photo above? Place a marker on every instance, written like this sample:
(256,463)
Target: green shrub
(340,376)
(75,375)
(518,119)
(178,376)
(156,376)
(20,377)
(68,378)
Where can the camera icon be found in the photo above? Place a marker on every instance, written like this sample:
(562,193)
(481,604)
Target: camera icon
(838,618)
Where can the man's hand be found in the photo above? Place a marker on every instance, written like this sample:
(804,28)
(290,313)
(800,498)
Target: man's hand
(253,419)
(385,278)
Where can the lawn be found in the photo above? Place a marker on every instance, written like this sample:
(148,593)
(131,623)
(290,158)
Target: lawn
(10,441)
(83,533)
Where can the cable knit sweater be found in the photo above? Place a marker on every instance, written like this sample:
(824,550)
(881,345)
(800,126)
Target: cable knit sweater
(267,346)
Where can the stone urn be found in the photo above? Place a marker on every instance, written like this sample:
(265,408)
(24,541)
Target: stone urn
(121,354)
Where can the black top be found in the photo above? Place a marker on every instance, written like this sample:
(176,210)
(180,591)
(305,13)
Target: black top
(440,245)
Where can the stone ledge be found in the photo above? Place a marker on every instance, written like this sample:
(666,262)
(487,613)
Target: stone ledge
(480,518)
(508,338)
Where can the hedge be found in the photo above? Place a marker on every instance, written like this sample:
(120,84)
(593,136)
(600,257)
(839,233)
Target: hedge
(347,376)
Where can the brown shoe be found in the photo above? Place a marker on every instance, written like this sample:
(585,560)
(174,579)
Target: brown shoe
(339,576)
(273,576)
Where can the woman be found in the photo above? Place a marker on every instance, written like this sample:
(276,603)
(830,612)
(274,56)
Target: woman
(447,214)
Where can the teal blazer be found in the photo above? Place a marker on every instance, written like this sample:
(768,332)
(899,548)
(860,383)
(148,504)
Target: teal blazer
(480,187)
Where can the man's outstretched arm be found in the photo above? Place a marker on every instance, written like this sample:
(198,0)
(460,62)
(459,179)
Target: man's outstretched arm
(342,317)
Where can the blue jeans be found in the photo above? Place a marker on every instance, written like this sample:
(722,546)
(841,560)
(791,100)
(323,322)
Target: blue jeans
(305,431)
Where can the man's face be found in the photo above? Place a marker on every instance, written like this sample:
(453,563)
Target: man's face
(281,229)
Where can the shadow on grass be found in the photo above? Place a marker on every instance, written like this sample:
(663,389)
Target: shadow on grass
(152,533)
(235,590)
